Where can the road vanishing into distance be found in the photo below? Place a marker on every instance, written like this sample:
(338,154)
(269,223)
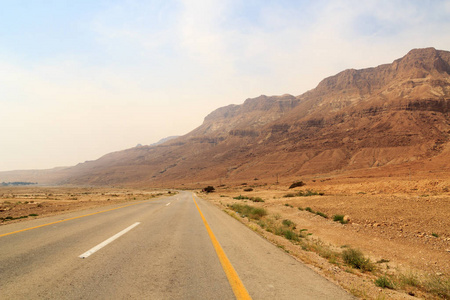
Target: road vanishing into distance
(178,247)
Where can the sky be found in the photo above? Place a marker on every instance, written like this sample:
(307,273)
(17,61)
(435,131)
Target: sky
(80,79)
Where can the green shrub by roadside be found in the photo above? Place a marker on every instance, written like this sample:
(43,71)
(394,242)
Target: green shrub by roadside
(384,282)
(340,219)
(355,258)
(296,184)
(437,285)
(288,223)
(254,199)
(251,212)
(321,214)
(310,210)
(307,193)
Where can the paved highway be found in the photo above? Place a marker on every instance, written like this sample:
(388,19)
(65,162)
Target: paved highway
(178,247)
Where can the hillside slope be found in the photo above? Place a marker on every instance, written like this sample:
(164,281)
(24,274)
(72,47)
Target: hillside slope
(395,114)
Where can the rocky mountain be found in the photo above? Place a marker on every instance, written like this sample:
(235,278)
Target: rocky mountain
(390,117)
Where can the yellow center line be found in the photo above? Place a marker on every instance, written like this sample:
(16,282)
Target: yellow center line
(60,221)
(233,278)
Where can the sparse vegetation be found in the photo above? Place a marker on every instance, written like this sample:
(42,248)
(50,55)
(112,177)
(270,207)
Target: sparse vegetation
(251,212)
(321,214)
(307,193)
(384,282)
(297,184)
(381,273)
(285,228)
(355,258)
(248,190)
(254,199)
(289,234)
(309,209)
(209,189)
(322,249)
(340,219)
(290,195)
(288,223)
(437,285)
(10,218)
(409,279)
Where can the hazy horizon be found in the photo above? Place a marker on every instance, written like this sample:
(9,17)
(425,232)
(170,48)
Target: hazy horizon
(83,79)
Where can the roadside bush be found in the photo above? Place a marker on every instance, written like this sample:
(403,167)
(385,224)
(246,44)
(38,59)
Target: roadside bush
(384,282)
(438,285)
(251,212)
(297,184)
(321,214)
(209,189)
(248,190)
(290,235)
(340,219)
(307,193)
(254,199)
(285,232)
(288,223)
(355,258)
(290,195)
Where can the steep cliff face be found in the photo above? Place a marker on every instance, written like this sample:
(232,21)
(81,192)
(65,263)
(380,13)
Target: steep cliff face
(246,119)
(390,115)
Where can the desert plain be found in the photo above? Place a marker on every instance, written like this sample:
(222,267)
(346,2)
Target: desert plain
(400,224)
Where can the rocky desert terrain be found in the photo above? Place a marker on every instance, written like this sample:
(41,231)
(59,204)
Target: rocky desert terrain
(401,225)
(22,203)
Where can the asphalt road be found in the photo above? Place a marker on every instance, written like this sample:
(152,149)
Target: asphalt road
(169,254)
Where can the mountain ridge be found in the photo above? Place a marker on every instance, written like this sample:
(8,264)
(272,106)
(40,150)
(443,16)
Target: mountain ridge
(392,114)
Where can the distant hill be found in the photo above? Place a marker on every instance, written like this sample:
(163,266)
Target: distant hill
(162,141)
(389,118)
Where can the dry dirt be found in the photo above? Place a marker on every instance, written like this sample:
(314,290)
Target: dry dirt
(403,221)
(18,203)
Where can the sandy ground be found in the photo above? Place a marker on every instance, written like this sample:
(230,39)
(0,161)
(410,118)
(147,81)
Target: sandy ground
(20,203)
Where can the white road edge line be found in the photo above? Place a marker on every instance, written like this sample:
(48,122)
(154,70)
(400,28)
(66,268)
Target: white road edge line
(103,244)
